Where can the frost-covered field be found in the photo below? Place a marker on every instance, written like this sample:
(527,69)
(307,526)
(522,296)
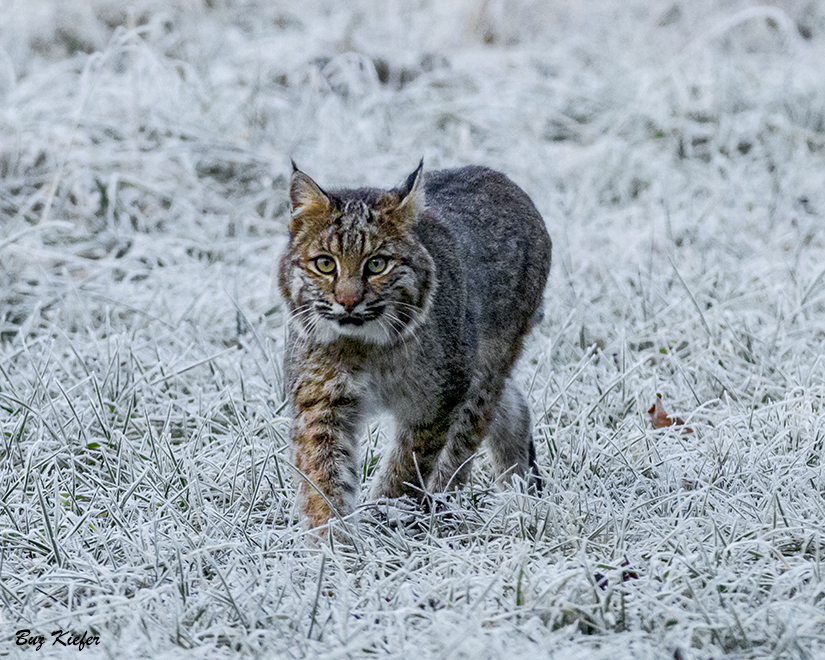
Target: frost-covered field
(677,153)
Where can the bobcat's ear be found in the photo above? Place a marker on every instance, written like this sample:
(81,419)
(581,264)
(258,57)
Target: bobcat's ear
(412,201)
(307,200)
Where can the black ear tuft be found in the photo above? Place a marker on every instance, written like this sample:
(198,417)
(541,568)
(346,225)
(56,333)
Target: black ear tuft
(294,166)
(406,189)
(411,203)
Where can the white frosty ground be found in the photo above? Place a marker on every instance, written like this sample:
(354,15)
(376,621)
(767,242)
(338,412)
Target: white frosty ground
(677,153)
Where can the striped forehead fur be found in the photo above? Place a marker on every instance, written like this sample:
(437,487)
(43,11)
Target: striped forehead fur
(354,224)
(354,220)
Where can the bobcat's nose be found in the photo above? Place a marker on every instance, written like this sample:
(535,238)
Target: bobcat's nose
(348,293)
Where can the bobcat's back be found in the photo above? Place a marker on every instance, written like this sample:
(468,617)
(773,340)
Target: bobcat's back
(500,242)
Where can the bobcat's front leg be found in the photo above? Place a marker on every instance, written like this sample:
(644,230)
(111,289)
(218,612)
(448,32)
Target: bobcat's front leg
(324,433)
(408,461)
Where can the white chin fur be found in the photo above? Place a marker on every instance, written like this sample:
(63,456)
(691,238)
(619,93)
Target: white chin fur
(371,332)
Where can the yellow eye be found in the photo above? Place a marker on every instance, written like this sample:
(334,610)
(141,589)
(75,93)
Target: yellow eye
(324,264)
(376,265)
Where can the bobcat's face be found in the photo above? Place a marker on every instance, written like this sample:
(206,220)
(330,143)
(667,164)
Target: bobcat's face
(354,268)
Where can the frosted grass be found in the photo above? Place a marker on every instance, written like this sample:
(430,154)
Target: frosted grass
(677,153)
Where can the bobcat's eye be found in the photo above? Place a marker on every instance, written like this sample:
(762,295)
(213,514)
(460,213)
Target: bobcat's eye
(324,264)
(376,265)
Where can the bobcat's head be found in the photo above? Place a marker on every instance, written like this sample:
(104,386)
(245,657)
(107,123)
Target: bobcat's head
(354,266)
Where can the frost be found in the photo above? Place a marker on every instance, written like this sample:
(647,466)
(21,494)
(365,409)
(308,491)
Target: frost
(677,153)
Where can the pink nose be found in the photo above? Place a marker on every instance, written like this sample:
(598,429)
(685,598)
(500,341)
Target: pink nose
(348,293)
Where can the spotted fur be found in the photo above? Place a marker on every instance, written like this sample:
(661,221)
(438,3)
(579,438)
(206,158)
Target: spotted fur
(414,300)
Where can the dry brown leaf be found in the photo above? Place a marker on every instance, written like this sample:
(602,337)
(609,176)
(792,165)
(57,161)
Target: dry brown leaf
(658,415)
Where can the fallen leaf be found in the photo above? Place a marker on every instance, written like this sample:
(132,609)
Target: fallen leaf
(627,574)
(658,415)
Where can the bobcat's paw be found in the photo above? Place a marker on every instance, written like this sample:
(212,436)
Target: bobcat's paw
(393,511)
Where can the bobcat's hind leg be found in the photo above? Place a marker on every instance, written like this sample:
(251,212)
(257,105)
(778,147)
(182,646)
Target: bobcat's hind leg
(510,440)
(468,425)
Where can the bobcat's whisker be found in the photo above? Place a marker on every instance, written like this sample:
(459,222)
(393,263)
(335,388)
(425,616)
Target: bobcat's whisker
(386,330)
(301,311)
(414,312)
(399,337)
(401,330)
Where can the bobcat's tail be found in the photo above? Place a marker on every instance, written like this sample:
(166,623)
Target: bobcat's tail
(535,476)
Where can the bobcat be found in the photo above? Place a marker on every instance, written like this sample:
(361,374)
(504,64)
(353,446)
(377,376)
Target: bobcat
(413,300)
